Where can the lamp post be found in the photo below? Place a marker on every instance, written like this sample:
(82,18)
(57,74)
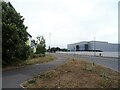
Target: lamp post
(94,47)
(49,42)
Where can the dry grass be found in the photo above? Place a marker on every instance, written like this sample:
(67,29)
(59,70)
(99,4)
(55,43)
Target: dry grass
(38,60)
(75,74)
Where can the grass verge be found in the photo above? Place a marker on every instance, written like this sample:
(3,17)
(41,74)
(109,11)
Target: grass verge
(38,60)
(75,74)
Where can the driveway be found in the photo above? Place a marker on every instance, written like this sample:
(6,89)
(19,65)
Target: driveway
(13,78)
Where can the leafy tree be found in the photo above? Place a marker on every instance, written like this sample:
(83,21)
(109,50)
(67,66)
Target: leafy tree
(53,49)
(41,45)
(14,35)
(64,50)
(58,49)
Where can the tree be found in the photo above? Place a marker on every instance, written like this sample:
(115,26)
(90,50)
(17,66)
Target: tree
(41,45)
(14,35)
(53,49)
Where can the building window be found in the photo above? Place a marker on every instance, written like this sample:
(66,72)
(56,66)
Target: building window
(77,48)
(86,47)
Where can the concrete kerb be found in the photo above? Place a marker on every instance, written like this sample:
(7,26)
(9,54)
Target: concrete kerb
(21,85)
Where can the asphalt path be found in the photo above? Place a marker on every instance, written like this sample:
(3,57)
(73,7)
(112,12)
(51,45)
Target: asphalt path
(13,78)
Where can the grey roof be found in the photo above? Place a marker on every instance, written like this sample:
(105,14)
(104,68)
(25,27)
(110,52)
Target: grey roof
(90,41)
(29,35)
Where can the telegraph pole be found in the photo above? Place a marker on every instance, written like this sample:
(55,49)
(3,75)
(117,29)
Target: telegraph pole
(94,47)
(49,42)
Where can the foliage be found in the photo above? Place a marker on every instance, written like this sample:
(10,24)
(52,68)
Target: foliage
(54,49)
(64,50)
(41,45)
(14,35)
(31,81)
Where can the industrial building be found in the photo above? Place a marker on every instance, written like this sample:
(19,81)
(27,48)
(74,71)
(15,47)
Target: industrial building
(93,46)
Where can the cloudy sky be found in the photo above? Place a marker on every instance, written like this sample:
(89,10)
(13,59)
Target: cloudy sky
(70,21)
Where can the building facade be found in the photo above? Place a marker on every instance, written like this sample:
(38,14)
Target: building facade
(93,45)
(30,42)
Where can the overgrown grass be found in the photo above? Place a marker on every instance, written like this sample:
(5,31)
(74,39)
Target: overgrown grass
(76,74)
(46,58)
(36,60)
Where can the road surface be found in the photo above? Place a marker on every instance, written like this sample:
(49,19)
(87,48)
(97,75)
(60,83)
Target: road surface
(111,63)
(13,78)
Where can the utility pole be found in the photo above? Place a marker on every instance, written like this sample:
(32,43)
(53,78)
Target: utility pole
(49,42)
(94,47)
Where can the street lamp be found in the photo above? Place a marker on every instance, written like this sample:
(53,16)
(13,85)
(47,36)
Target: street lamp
(94,47)
(49,42)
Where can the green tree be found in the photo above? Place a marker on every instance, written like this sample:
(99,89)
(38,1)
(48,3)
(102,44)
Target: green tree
(14,35)
(41,45)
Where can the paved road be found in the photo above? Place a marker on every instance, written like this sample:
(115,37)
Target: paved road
(111,63)
(12,78)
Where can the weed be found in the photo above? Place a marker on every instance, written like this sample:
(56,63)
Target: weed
(77,74)
(105,83)
(104,75)
(49,74)
(31,81)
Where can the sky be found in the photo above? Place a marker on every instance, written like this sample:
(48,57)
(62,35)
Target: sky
(63,22)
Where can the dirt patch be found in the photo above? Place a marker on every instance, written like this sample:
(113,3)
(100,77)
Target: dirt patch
(75,74)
